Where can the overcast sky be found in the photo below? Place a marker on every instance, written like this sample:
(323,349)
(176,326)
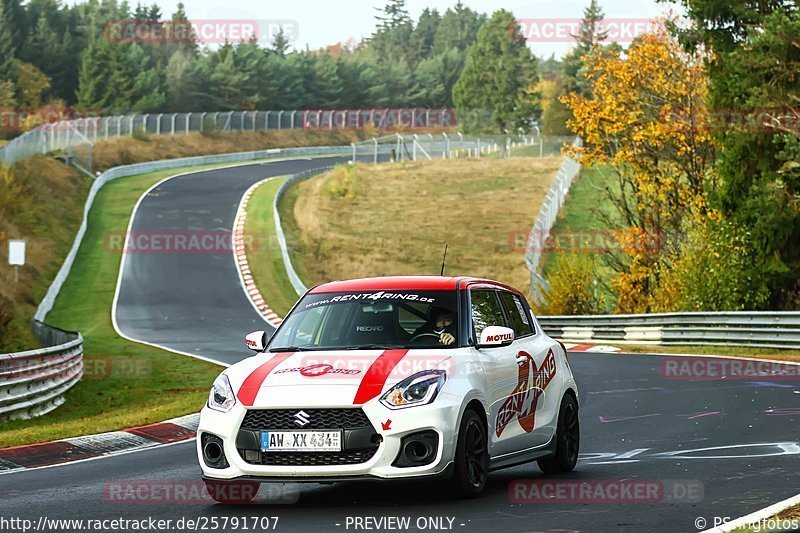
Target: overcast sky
(323,22)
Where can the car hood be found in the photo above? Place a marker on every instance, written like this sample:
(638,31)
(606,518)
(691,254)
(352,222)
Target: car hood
(327,378)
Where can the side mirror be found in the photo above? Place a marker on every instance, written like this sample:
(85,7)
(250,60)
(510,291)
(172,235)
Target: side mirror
(496,336)
(257,340)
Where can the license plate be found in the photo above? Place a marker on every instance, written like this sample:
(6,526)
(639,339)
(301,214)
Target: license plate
(301,441)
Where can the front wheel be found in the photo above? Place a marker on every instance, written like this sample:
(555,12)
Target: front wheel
(568,438)
(232,492)
(472,455)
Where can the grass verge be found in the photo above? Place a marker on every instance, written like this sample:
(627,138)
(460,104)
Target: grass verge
(395,219)
(41,201)
(126,383)
(265,260)
(586,218)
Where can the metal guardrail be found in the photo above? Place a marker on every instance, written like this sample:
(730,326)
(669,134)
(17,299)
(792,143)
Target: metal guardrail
(294,278)
(767,329)
(34,382)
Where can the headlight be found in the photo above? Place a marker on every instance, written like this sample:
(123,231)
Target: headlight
(221,397)
(419,389)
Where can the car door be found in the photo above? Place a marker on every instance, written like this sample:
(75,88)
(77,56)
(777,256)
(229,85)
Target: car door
(537,368)
(499,364)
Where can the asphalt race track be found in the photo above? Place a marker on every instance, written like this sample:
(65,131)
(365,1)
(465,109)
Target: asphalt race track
(194,303)
(721,448)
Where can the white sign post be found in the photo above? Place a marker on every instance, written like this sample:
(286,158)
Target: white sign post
(16,256)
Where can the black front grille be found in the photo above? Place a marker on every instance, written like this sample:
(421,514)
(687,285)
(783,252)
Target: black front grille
(319,419)
(353,457)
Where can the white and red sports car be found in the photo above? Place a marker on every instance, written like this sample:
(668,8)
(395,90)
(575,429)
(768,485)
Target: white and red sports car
(396,377)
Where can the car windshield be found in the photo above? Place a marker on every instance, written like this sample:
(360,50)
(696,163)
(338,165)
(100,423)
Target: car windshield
(370,320)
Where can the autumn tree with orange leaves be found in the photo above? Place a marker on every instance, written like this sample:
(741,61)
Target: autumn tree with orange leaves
(645,118)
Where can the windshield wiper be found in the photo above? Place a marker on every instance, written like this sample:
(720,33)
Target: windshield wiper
(289,349)
(374,347)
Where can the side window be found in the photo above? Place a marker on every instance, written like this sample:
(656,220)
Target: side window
(517,314)
(486,311)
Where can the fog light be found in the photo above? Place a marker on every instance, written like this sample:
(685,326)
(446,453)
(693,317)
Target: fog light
(213,451)
(417,449)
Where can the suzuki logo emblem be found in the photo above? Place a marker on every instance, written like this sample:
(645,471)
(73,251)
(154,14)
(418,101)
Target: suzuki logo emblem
(302,419)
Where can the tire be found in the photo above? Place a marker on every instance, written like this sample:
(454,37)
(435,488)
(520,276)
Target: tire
(568,439)
(472,456)
(232,492)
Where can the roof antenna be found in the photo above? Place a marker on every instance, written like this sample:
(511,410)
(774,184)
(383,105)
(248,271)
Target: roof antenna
(444,259)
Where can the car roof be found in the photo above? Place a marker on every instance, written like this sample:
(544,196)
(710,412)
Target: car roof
(407,283)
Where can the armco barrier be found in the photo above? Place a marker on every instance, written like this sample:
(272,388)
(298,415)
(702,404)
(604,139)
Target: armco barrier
(34,382)
(757,329)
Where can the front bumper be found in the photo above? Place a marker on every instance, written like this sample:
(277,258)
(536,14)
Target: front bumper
(441,417)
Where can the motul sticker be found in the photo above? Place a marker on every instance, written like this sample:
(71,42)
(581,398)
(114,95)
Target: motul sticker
(521,405)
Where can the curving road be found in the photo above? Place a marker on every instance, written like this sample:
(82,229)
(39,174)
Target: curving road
(734,445)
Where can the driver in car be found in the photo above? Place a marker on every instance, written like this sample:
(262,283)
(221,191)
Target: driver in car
(440,324)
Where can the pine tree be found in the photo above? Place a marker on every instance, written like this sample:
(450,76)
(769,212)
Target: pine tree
(425,33)
(325,86)
(280,44)
(146,93)
(7,45)
(391,39)
(458,29)
(498,79)
(590,36)
(94,91)
(393,15)
(590,31)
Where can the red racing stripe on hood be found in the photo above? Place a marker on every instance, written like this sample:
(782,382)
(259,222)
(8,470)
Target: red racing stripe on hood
(251,386)
(377,374)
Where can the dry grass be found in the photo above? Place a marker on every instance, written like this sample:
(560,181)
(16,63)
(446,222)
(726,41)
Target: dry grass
(395,219)
(792,513)
(42,203)
(126,150)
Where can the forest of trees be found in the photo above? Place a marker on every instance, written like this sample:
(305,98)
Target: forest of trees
(61,56)
(405,63)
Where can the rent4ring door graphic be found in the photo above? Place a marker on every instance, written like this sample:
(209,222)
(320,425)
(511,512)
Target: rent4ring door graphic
(517,375)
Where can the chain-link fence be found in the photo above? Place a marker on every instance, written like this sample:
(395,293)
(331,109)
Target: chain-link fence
(403,147)
(547,217)
(66,135)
